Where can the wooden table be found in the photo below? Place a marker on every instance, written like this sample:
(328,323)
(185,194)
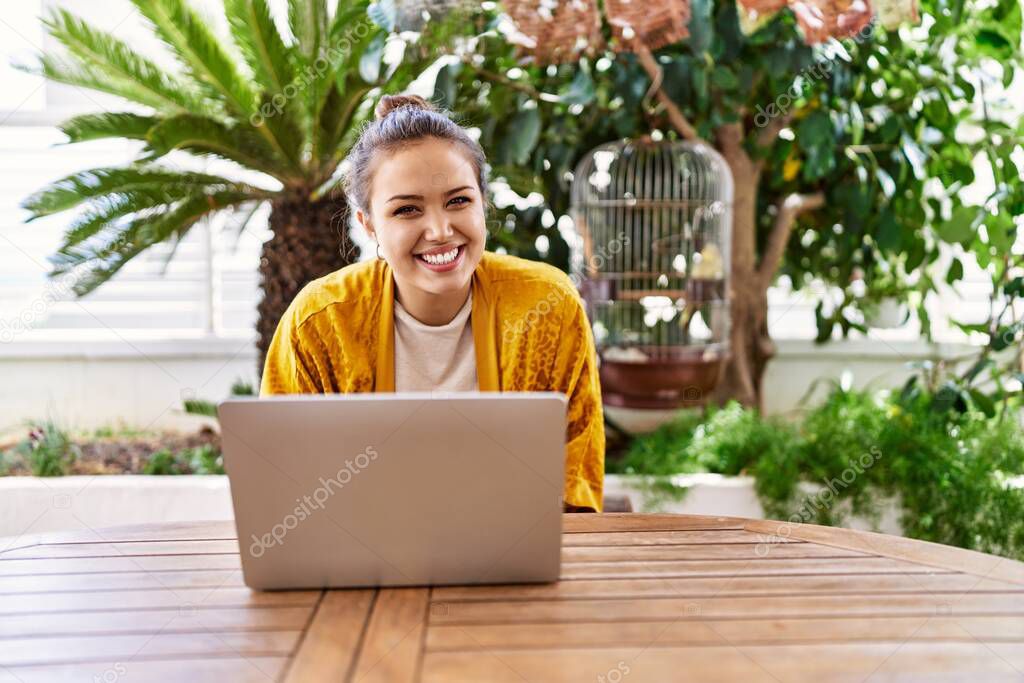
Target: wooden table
(642,598)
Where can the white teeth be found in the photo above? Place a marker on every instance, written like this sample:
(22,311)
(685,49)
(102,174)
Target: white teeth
(441,259)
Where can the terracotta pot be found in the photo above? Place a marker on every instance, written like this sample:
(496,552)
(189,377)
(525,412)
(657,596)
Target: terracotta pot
(675,378)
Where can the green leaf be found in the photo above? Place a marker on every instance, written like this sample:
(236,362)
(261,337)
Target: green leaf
(107,125)
(955,272)
(241,144)
(977,369)
(992,42)
(983,403)
(1000,230)
(338,116)
(257,37)
(76,188)
(950,398)
(104,262)
(701,28)
(962,226)
(1014,287)
(724,79)
(110,65)
(196,46)
(815,130)
(445,87)
(308,22)
(581,90)
(1006,335)
(523,133)
(889,235)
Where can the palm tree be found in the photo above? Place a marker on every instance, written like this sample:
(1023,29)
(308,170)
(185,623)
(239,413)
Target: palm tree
(286,106)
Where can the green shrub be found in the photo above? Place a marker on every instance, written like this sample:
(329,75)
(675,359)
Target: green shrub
(163,462)
(205,459)
(947,467)
(733,439)
(47,450)
(664,451)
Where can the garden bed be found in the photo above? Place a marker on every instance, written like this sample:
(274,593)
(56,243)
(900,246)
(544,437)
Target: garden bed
(45,449)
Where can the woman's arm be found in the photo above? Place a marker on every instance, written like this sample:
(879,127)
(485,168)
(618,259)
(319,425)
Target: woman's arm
(575,374)
(287,367)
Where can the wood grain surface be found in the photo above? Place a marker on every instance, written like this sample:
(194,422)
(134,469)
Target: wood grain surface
(641,598)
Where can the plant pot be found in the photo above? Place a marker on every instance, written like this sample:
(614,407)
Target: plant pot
(667,379)
(888,313)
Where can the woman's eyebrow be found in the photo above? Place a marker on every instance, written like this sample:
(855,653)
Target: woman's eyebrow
(420,197)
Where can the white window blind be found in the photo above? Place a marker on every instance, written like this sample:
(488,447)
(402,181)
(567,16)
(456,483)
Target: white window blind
(209,287)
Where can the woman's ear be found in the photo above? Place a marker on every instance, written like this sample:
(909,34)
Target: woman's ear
(364,222)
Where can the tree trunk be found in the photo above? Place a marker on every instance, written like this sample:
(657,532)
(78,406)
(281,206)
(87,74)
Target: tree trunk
(750,347)
(309,241)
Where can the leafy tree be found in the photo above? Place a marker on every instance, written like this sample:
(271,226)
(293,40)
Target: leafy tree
(848,156)
(283,104)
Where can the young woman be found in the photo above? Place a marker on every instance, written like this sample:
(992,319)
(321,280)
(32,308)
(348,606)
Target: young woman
(436,311)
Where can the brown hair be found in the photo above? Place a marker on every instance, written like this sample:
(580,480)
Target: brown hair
(403,120)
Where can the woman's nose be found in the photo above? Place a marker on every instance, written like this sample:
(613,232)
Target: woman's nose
(439,229)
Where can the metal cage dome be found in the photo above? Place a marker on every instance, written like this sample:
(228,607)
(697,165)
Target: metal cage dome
(652,263)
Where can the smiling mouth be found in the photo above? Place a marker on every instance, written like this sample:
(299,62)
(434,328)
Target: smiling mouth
(444,261)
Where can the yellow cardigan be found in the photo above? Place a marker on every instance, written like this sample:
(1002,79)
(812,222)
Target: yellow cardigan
(530,333)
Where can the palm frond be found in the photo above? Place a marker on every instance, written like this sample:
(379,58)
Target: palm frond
(336,117)
(107,125)
(195,45)
(104,215)
(94,265)
(308,22)
(318,59)
(256,35)
(73,73)
(98,49)
(201,136)
(161,185)
(351,31)
(200,51)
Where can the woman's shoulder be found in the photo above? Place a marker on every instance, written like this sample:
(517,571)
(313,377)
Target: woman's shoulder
(531,296)
(348,287)
(524,274)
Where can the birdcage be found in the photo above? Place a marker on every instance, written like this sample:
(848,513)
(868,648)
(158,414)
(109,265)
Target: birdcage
(652,264)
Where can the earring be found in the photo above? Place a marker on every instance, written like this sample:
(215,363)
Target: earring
(378,251)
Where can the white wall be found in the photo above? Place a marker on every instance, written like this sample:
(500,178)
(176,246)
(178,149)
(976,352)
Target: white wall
(107,383)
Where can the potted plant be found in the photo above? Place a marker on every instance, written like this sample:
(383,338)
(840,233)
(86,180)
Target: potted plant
(884,303)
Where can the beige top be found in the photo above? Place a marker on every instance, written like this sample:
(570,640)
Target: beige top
(435,357)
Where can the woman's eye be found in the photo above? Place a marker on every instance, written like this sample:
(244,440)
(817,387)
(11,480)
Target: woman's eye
(409,208)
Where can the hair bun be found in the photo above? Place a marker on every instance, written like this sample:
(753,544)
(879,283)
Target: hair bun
(390,103)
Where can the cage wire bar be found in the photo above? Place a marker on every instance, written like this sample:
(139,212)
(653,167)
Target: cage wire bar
(652,263)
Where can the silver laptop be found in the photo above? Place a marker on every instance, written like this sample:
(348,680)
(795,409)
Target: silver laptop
(396,489)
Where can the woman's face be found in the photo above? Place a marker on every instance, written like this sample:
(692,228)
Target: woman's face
(427,214)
